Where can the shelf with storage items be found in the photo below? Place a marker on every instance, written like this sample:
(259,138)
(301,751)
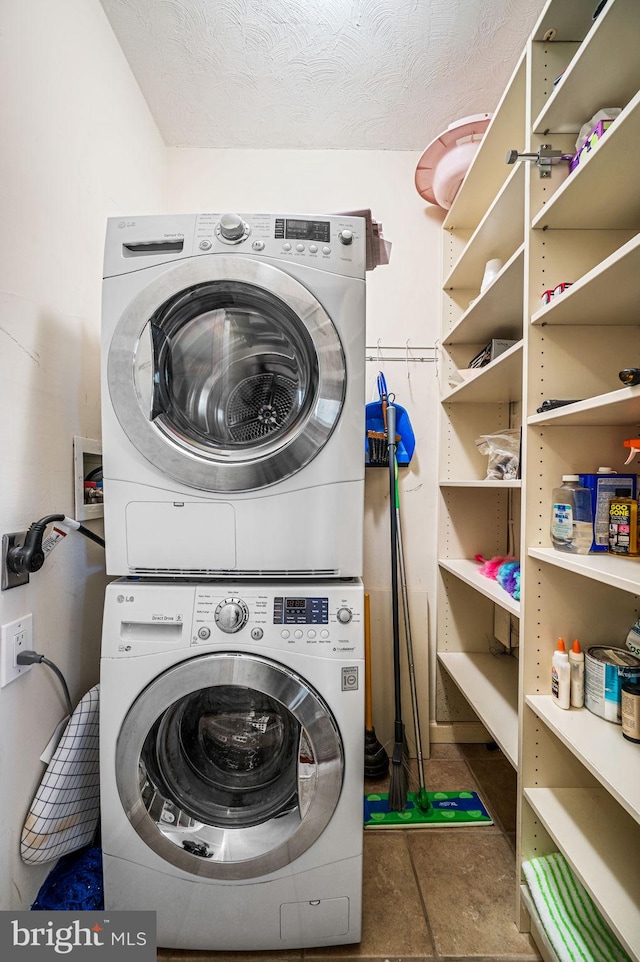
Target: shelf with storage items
(479,515)
(578,778)
(600,842)
(593,78)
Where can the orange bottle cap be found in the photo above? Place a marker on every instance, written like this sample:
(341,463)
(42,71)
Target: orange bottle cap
(561,644)
(576,647)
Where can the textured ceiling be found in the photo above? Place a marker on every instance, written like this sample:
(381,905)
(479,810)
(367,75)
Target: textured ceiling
(319,74)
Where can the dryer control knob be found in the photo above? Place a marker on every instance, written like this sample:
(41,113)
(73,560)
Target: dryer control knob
(346,237)
(344,615)
(232,227)
(231,615)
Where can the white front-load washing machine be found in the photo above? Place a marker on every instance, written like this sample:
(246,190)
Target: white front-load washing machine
(231,754)
(233,395)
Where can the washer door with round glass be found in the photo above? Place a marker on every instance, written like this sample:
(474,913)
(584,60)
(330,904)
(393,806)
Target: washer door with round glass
(226,373)
(229,766)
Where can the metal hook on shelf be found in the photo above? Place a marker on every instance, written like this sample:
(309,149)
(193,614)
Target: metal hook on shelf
(544,159)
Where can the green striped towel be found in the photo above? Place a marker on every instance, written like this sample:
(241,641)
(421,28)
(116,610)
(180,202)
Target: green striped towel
(575,928)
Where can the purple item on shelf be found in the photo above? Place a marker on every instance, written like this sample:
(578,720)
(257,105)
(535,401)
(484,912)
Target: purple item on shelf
(590,141)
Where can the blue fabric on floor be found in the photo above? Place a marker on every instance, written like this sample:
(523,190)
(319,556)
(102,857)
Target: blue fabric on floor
(74,883)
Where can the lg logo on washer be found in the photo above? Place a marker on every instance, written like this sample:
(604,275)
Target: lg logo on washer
(121,935)
(123,598)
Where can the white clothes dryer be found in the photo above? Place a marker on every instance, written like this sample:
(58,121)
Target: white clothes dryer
(231,755)
(233,395)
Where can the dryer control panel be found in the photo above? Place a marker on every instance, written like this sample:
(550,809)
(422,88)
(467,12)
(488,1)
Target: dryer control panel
(330,242)
(336,243)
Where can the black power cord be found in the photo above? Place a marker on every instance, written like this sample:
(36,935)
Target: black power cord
(34,658)
(30,556)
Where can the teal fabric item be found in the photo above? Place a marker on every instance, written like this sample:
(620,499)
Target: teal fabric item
(573,924)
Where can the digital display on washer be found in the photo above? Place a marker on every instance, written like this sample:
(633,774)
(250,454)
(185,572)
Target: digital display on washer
(311,230)
(300,611)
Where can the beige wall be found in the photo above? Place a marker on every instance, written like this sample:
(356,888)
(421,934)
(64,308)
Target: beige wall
(403,302)
(78,144)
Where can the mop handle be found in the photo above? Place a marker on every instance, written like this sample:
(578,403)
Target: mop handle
(407,632)
(391,437)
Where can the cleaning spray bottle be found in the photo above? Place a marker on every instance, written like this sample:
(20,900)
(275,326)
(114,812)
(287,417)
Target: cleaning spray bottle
(560,676)
(576,672)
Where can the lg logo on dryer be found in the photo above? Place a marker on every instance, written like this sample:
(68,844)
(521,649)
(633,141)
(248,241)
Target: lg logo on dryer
(123,598)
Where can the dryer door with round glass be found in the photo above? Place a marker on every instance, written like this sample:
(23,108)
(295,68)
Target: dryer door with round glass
(229,766)
(226,373)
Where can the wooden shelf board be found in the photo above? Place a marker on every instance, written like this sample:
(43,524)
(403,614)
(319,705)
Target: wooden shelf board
(607,294)
(590,197)
(623,573)
(500,381)
(599,745)
(497,312)
(571,19)
(613,409)
(490,685)
(486,176)
(499,234)
(586,825)
(594,77)
(468,571)
(480,483)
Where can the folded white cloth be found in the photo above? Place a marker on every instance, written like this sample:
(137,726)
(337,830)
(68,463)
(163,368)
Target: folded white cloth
(575,928)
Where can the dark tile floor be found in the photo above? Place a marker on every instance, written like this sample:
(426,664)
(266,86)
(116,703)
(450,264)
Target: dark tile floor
(433,894)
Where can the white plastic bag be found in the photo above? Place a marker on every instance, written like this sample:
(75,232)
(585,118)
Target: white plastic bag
(503,451)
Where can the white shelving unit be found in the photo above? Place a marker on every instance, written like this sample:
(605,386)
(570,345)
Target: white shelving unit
(578,778)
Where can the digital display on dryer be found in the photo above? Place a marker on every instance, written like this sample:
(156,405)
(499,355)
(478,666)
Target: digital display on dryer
(311,230)
(300,611)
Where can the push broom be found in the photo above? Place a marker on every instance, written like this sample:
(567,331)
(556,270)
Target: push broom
(400,807)
(398,783)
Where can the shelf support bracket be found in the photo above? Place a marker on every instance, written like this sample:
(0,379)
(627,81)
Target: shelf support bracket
(544,159)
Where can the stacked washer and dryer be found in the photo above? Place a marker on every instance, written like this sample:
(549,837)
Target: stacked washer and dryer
(232,669)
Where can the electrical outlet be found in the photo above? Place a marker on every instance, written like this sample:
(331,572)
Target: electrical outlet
(9,578)
(16,636)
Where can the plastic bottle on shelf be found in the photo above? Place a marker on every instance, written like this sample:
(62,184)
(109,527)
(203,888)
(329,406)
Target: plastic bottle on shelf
(623,524)
(560,676)
(576,675)
(571,516)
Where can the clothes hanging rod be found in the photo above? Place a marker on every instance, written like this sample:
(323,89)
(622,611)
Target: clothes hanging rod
(405,360)
(407,355)
(400,347)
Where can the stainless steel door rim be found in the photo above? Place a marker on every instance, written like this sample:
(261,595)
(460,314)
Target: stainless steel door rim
(218,851)
(255,460)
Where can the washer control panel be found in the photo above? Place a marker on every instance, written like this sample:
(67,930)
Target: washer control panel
(304,617)
(319,618)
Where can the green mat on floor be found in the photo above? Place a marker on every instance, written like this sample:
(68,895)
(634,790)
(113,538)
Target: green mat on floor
(445,808)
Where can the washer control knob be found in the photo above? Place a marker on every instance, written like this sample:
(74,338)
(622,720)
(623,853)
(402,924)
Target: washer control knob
(345,237)
(344,615)
(231,615)
(204,633)
(232,227)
